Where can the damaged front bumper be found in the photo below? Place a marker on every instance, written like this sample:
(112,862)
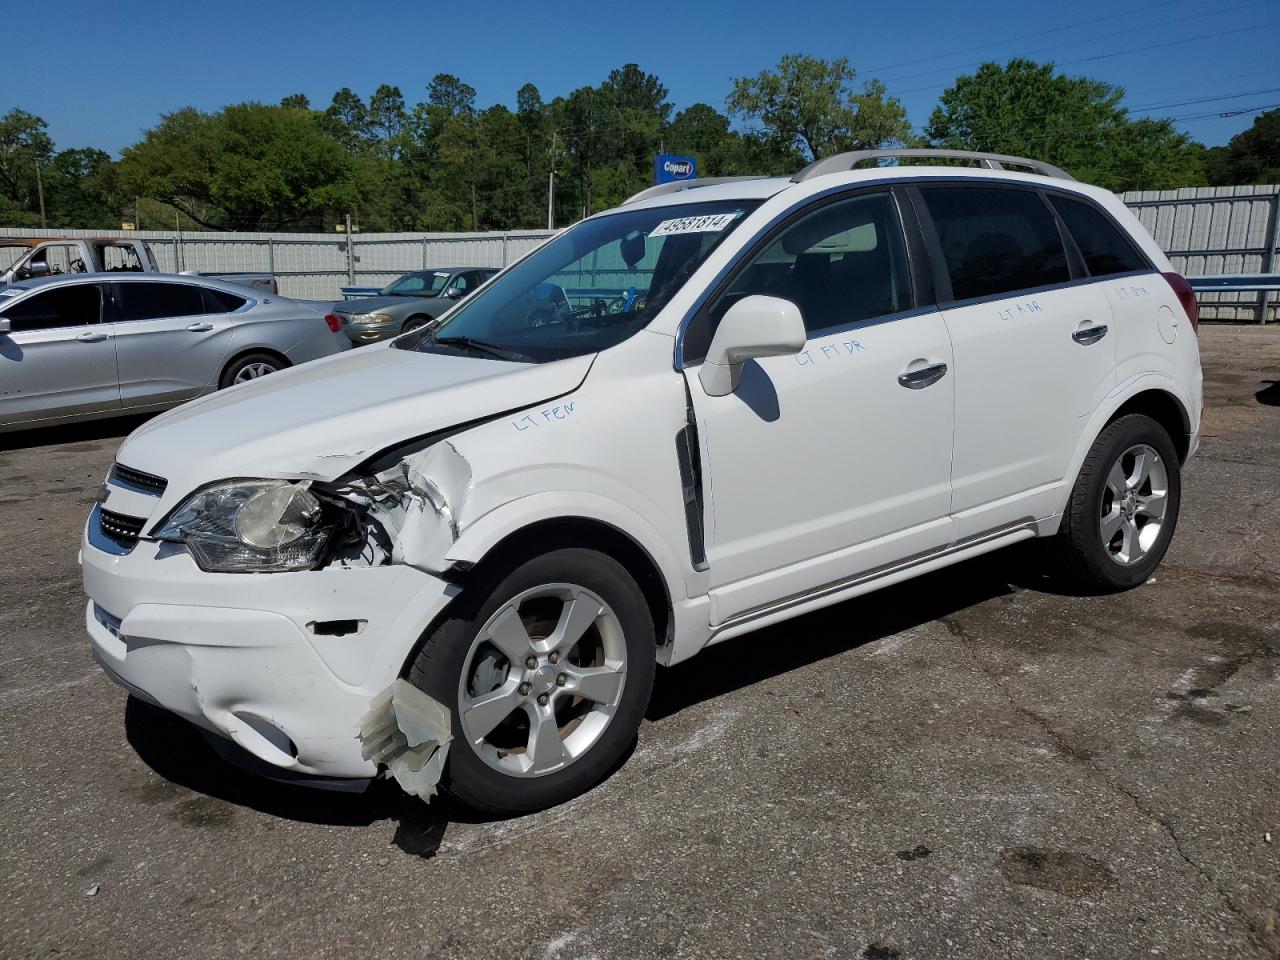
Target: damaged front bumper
(282,664)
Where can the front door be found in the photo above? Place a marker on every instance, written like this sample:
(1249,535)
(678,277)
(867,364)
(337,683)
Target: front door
(58,358)
(170,342)
(834,462)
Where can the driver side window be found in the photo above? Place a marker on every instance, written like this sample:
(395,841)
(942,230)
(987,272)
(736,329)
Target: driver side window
(841,263)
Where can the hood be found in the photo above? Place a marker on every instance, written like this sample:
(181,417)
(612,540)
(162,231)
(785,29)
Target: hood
(320,419)
(374,304)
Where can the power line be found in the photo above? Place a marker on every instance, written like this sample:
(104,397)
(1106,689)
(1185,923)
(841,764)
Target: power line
(1025,36)
(1106,56)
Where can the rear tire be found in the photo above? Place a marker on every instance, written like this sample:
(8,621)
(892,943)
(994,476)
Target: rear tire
(553,691)
(250,367)
(1123,507)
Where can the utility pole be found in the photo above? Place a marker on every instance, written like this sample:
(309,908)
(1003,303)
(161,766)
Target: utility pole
(351,255)
(40,193)
(551,185)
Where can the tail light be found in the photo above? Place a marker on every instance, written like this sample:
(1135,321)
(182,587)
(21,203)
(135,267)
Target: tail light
(1187,297)
(332,320)
(275,286)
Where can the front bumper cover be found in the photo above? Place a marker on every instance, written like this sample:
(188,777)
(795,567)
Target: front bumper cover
(245,656)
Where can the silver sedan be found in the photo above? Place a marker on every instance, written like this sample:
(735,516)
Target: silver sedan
(87,346)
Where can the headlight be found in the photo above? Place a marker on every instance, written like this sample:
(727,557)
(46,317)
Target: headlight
(244,526)
(371,318)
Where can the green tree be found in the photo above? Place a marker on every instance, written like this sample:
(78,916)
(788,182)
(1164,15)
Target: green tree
(810,106)
(347,119)
(1252,156)
(248,167)
(24,145)
(81,189)
(1028,109)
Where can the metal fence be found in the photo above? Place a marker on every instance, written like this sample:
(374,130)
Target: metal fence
(1205,231)
(1208,231)
(314,266)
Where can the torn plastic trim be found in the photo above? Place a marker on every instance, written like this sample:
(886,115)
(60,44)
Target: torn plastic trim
(407,732)
(413,510)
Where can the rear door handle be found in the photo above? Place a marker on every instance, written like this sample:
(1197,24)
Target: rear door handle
(922,377)
(200,327)
(92,336)
(1088,335)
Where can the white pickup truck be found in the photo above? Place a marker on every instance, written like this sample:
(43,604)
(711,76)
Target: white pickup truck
(26,259)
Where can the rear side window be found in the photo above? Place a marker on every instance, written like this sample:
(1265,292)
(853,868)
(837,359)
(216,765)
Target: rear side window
(151,301)
(219,301)
(1105,249)
(995,240)
(74,306)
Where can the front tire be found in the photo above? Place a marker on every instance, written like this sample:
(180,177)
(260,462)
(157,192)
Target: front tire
(547,669)
(1123,507)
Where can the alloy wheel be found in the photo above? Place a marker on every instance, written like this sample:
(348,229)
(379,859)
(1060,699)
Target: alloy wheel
(542,680)
(252,371)
(1135,497)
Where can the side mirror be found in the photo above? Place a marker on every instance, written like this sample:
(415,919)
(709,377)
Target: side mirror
(453,293)
(4,324)
(36,270)
(755,326)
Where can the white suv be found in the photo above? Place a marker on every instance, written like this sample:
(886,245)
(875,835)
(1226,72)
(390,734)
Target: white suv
(718,406)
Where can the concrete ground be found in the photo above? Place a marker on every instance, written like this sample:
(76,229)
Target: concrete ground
(968,765)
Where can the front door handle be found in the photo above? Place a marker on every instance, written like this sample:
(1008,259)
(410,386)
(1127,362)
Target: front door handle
(1088,335)
(92,336)
(922,377)
(200,327)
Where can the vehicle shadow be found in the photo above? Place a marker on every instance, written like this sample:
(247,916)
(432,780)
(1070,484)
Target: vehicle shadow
(784,647)
(111,428)
(177,751)
(1270,394)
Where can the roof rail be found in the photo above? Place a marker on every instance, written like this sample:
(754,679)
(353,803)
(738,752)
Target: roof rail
(841,162)
(676,186)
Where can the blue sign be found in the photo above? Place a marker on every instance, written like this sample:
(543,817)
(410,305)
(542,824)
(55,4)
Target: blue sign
(668,167)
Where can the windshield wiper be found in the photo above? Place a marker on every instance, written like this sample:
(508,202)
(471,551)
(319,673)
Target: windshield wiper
(481,346)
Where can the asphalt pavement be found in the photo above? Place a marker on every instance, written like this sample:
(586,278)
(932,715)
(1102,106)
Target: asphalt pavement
(967,765)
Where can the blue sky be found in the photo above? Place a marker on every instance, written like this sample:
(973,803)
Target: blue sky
(101,73)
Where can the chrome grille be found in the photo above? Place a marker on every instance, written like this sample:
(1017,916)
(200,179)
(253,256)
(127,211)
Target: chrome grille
(123,530)
(137,480)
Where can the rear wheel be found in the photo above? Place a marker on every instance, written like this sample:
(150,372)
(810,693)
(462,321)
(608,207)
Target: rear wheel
(547,670)
(1124,506)
(250,367)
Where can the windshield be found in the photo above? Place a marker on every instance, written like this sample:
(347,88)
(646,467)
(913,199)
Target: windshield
(417,284)
(588,289)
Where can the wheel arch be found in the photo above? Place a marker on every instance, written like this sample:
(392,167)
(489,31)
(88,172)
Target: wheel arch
(1151,396)
(540,536)
(553,533)
(1165,409)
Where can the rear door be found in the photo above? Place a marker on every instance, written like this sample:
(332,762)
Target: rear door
(58,358)
(1033,355)
(171,341)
